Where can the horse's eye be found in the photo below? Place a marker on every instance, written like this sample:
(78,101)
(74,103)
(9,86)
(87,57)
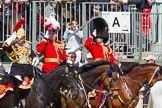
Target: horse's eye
(113,79)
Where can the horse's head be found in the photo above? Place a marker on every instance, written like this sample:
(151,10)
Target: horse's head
(69,84)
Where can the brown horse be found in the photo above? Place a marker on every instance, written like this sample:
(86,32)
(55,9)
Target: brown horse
(88,76)
(126,95)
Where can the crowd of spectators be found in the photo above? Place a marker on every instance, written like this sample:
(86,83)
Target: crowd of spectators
(70,9)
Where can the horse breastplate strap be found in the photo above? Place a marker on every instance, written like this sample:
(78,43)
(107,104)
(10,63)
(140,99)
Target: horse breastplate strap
(153,75)
(129,92)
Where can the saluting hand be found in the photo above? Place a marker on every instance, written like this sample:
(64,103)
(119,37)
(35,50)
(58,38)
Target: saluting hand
(94,33)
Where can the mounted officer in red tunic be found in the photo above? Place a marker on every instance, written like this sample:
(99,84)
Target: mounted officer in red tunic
(52,49)
(95,44)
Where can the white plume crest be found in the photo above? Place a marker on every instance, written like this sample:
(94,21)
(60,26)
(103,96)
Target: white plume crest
(52,20)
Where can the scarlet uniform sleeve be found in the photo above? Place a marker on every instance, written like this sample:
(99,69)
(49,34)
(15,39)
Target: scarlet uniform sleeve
(41,46)
(88,43)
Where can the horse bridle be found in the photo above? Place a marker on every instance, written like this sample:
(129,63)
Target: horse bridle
(64,90)
(91,88)
(45,100)
(139,83)
(149,80)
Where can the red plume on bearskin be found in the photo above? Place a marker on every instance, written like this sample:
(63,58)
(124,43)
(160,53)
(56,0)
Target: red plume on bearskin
(19,24)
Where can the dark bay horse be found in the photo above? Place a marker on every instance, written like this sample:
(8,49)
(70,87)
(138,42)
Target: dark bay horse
(88,75)
(45,91)
(126,95)
(42,90)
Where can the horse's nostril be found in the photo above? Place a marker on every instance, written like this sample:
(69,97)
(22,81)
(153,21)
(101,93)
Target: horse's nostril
(74,96)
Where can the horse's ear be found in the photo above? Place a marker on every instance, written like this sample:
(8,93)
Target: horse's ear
(63,63)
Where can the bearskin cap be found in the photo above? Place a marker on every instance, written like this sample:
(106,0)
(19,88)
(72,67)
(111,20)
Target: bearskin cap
(101,27)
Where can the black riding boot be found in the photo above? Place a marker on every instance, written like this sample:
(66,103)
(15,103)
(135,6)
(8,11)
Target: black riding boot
(17,92)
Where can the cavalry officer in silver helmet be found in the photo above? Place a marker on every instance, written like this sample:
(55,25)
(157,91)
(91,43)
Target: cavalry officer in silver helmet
(20,52)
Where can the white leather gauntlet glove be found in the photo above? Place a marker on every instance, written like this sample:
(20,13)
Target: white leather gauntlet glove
(69,61)
(35,61)
(11,38)
(94,34)
(46,35)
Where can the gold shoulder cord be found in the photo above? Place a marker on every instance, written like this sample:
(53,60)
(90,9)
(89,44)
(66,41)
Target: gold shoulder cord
(106,52)
(60,46)
(28,42)
(14,55)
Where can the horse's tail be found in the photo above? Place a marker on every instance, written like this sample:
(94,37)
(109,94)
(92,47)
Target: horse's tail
(150,104)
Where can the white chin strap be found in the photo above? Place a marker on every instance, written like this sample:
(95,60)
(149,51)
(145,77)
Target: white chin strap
(18,77)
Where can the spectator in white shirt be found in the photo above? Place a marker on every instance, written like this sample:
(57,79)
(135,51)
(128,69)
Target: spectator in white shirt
(73,39)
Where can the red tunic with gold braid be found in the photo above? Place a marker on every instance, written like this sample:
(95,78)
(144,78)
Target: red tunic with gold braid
(53,52)
(99,52)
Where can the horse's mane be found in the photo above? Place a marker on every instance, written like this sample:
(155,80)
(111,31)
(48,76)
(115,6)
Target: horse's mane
(145,65)
(136,64)
(130,67)
(148,64)
(91,65)
(57,71)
